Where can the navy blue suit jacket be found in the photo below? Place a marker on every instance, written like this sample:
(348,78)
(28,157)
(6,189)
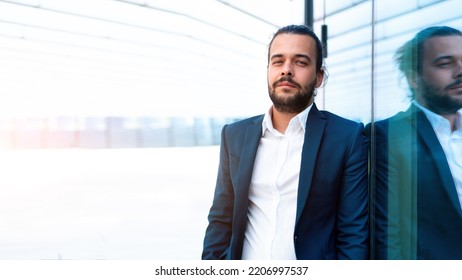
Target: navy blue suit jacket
(332,214)
(416,208)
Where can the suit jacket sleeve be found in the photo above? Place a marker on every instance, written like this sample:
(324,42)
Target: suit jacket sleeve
(219,231)
(379,191)
(352,223)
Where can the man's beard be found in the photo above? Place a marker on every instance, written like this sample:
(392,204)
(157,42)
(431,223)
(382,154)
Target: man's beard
(438,100)
(292,103)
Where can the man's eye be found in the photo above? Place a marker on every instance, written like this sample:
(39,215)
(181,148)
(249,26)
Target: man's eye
(443,64)
(303,63)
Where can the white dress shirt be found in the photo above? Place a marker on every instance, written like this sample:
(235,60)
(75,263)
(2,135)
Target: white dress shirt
(273,191)
(451,141)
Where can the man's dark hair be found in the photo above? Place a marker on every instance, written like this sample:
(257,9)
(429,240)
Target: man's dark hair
(409,57)
(301,30)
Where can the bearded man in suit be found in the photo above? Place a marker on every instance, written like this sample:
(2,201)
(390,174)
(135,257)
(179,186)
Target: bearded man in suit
(292,183)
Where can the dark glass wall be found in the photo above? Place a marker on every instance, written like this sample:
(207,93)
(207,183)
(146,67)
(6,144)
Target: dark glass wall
(415,209)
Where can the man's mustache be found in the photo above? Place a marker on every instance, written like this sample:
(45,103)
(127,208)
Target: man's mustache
(454,84)
(286,79)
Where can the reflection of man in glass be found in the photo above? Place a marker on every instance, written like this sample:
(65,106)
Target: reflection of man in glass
(418,166)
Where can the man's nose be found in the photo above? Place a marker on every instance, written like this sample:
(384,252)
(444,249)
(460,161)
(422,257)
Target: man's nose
(287,70)
(458,71)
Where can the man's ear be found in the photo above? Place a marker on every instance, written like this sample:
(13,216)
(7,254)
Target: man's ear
(320,77)
(412,80)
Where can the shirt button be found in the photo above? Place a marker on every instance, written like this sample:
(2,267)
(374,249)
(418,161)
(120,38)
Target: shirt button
(296,238)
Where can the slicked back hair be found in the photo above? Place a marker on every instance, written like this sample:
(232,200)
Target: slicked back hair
(409,56)
(301,30)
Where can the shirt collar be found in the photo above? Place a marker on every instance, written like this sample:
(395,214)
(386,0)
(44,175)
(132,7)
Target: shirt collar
(300,118)
(438,122)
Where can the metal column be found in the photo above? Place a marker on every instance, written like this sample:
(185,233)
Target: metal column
(309,13)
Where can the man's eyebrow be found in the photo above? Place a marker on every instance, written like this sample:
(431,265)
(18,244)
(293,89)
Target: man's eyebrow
(303,56)
(444,57)
(297,55)
(276,56)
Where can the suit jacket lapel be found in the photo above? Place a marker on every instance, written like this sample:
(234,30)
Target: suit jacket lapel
(314,132)
(427,135)
(246,163)
(249,152)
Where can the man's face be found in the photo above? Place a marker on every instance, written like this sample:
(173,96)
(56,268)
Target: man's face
(439,87)
(292,76)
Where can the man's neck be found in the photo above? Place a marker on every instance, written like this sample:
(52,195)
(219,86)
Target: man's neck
(452,119)
(450,116)
(281,120)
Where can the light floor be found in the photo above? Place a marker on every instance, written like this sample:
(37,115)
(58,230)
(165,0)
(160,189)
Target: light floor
(105,204)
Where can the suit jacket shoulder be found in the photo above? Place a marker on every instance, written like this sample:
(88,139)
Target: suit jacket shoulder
(337,120)
(235,133)
(241,125)
(399,127)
